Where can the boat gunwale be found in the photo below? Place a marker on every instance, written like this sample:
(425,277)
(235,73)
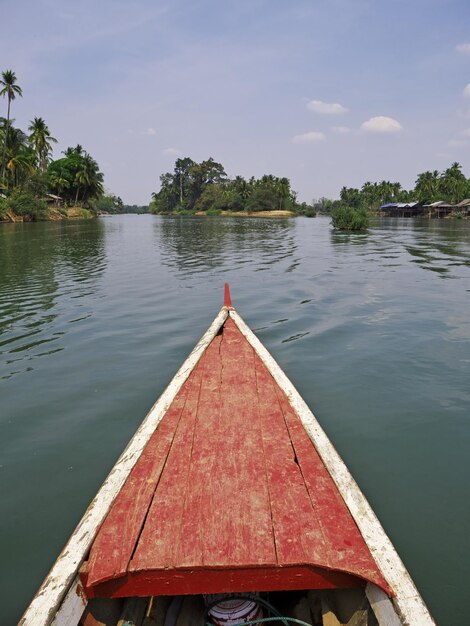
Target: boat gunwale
(408,603)
(61,586)
(61,581)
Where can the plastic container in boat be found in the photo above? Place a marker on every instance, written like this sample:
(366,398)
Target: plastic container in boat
(234,611)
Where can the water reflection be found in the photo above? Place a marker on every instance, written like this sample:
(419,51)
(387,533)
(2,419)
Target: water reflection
(440,247)
(339,237)
(377,346)
(40,264)
(198,244)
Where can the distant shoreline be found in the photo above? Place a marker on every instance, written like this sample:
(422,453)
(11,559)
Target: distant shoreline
(270,214)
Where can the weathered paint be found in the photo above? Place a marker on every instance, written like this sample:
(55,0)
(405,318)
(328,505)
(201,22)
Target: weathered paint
(62,582)
(227,298)
(72,606)
(237,484)
(407,601)
(209,581)
(48,599)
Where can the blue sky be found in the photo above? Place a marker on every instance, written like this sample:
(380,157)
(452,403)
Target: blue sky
(325,92)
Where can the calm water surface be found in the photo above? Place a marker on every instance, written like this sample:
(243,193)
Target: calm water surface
(374,330)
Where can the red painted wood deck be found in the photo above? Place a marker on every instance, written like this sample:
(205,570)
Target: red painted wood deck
(230,494)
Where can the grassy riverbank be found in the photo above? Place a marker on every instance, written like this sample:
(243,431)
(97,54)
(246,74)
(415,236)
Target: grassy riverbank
(52,214)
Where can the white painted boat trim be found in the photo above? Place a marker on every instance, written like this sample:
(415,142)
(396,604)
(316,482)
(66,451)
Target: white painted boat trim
(59,583)
(72,606)
(407,603)
(382,606)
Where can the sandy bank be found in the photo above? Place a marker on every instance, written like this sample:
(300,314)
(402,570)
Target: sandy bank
(254,213)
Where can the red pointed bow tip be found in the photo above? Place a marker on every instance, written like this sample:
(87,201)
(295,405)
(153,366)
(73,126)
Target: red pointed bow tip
(227,298)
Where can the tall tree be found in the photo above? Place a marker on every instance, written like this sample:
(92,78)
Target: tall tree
(453,184)
(19,159)
(427,186)
(181,177)
(40,141)
(10,90)
(284,192)
(78,150)
(84,180)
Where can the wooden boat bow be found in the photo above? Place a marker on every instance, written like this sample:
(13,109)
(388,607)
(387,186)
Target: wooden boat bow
(230,485)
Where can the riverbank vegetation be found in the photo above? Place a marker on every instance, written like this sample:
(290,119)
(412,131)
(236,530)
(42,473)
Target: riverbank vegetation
(348,218)
(451,186)
(113,205)
(32,185)
(205,188)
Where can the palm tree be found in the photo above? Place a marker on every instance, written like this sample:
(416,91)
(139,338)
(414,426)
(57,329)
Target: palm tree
(20,164)
(78,150)
(9,90)
(427,185)
(283,191)
(452,183)
(40,140)
(19,159)
(242,187)
(88,178)
(58,182)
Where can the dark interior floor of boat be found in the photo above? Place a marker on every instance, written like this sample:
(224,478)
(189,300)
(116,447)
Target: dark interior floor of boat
(338,607)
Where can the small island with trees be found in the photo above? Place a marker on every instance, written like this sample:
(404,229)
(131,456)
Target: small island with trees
(204,188)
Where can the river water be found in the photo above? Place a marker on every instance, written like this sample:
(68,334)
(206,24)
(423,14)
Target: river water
(373,329)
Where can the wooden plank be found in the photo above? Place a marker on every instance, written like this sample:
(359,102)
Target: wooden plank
(298,536)
(47,600)
(116,539)
(345,547)
(227,298)
(213,580)
(195,540)
(238,517)
(383,607)
(385,555)
(72,607)
(158,543)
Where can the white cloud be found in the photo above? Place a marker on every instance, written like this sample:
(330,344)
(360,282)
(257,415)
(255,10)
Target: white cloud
(466,132)
(456,143)
(381,124)
(464,48)
(150,132)
(466,91)
(309,137)
(341,130)
(172,151)
(326,108)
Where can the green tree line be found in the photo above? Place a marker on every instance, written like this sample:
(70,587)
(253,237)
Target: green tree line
(450,185)
(28,173)
(205,186)
(352,210)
